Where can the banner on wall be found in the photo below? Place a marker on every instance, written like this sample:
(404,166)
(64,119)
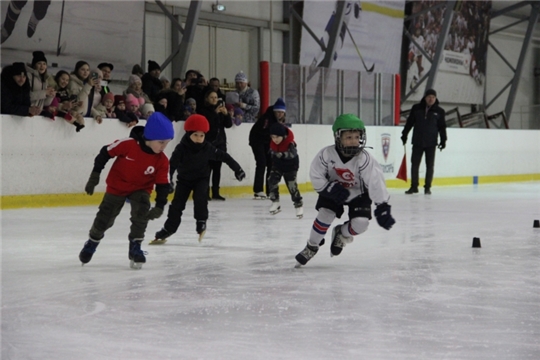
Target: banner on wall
(463,63)
(361,46)
(69,31)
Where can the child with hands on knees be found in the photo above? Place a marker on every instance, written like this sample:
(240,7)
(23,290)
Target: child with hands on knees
(140,164)
(191,159)
(346,174)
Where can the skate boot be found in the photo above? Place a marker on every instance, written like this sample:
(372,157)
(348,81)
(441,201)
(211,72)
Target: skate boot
(305,255)
(201,229)
(161,237)
(299,212)
(88,251)
(412,190)
(275,208)
(136,255)
(338,240)
(259,196)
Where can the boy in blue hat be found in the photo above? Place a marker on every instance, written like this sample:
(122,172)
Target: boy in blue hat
(140,164)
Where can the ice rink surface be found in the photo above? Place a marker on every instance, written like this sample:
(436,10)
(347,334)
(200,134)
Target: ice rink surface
(418,291)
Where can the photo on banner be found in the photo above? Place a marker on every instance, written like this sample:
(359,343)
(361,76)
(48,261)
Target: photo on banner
(462,68)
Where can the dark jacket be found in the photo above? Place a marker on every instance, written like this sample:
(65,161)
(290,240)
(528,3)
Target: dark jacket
(15,98)
(218,123)
(151,86)
(191,160)
(426,125)
(175,104)
(260,131)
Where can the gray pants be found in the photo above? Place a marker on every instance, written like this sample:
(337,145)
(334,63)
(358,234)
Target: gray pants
(110,207)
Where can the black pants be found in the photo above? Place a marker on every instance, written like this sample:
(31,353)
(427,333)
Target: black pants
(263,164)
(416,158)
(215,167)
(181,195)
(110,207)
(290,181)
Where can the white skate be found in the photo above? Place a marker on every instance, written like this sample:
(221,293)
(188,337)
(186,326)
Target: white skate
(275,208)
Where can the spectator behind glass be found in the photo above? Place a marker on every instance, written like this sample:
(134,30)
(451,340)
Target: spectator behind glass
(97,115)
(120,110)
(175,100)
(195,86)
(15,99)
(106,69)
(165,82)
(41,83)
(215,112)
(106,107)
(135,88)
(192,105)
(133,105)
(151,84)
(249,99)
(137,70)
(82,84)
(214,85)
(66,101)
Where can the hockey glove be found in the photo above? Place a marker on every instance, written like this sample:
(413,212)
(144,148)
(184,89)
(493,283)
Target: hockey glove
(336,192)
(384,218)
(154,213)
(404,139)
(92,183)
(240,175)
(442,145)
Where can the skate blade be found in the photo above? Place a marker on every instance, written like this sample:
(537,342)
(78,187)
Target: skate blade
(298,265)
(201,235)
(275,211)
(135,266)
(299,216)
(157,242)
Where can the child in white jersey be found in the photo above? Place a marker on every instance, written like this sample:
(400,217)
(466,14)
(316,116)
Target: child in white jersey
(346,174)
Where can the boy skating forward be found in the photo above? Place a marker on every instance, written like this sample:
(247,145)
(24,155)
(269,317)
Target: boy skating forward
(191,159)
(346,174)
(140,164)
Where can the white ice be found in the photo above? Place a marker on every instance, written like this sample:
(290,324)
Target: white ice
(418,291)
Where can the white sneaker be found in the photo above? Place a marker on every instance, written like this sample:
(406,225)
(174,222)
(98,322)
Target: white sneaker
(300,212)
(259,196)
(275,208)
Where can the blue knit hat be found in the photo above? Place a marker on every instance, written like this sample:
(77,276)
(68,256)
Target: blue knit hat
(279,105)
(158,127)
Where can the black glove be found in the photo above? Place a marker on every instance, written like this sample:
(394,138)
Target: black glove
(404,139)
(92,183)
(442,145)
(336,192)
(240,175)
(171,188)
(384,218)
(154,213)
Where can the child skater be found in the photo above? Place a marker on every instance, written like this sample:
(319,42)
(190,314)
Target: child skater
(284,164)
(140,164)
(346,174)
(191,159)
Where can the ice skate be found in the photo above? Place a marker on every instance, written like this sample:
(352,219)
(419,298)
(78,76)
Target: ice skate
(201,229)
(275,208)
(136,255)
(305,255)
(88,251)
(299,212)
(338,241)
(161,237)
(259,196)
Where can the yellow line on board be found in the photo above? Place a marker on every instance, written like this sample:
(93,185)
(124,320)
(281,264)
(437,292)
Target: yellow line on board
(395,13)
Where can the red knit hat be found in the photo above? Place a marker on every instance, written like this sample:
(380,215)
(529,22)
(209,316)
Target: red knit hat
(196,122)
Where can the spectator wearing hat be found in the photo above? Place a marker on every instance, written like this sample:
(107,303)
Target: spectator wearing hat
(135,88)
(249,99)
(259,141)
(151,85)
(106,107)
(129,179)
(428,120)
(41,83)
(190,159)
(106,70)
(15,99)
(285,165)
(121,114)
(82,83)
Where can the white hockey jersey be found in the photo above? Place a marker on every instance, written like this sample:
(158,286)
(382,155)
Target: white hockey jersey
(360,173)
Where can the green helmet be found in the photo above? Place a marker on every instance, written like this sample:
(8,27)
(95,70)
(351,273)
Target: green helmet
(349,122)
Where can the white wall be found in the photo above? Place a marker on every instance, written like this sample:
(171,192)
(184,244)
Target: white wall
(40,156)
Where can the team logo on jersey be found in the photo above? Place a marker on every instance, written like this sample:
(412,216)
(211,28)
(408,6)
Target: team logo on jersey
(150,170)
(346,176)
(385,142)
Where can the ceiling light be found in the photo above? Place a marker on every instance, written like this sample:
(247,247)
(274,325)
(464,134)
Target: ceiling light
(218,7)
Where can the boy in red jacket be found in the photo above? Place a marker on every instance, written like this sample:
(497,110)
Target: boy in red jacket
(285,164)
(140,164)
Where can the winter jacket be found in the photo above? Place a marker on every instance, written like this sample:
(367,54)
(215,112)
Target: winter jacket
(38,87)
(284,155)
(151,86)
(427,125)
(218,122)
(253,104)
(260,131)
(15,99)
(83,92)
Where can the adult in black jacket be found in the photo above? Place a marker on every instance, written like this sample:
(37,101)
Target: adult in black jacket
(219,119)
(190,159)
(151,85)
(428,120)
(16,92)
(259,140)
